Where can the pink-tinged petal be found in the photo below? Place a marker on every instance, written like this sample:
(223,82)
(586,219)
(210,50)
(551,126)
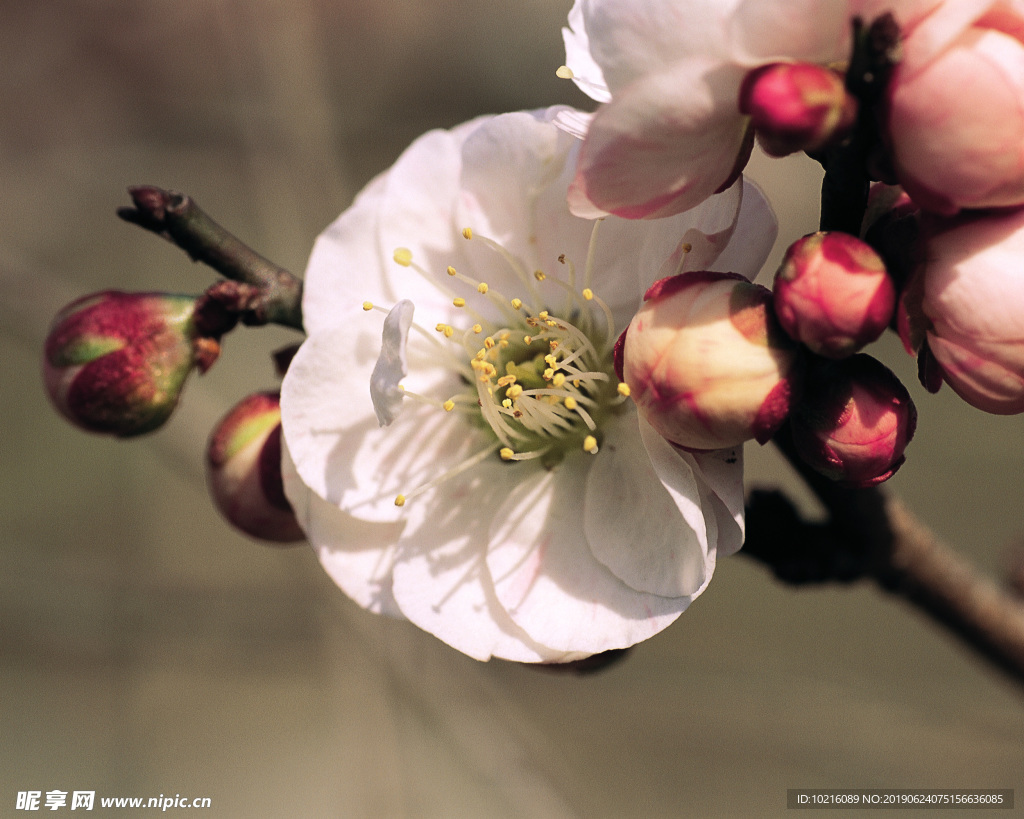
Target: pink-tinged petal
(934,33)
(441,579)
(817,31)
(357,554)
(548,580)
(652,540)
(958,127)
(340,451)
(631,39)
(585,72)
(665,144)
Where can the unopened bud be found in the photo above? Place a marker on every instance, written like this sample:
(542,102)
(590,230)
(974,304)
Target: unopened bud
(243,470)
(116,362)
(706,362)
(833,294)
(797,107)
(854,421)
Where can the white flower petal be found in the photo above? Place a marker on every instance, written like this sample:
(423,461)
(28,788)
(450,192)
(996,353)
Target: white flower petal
(721,472)
(652,540)
(441,580)
(817,31)
(356,554)
(630,39)
(391,366)
(585,72)
(573,122)
(548,580)
(755,228)
(329,425)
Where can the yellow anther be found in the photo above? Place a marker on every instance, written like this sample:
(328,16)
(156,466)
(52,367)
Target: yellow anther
(505,380)
(506,453)
(467,233)
(528,340)
(449,331)
(439,327)
(590,444)
(588,294)
(623,389)
(482,288)
(514,391)
(553,344)
(477,328)
(507,403)
(400,500)
(448,405)
(480,355)
(576,383)
(543,315)
(563,72)
(367,305)
(548,374)
(517,303)
(687,247)
(503,343)
(558,380)
(451,270)
(489,343)
(403,256)
(539,275)
(550,360)
(458,301)
(570,402)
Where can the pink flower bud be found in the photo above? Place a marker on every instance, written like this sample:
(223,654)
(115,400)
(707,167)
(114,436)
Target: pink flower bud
(796,107)
(116,362)
(243,470)
(832,293)
(854,421)
(706,362)
(967,303)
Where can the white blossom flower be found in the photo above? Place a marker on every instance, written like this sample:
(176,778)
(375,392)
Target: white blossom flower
(669,71)
(504,496)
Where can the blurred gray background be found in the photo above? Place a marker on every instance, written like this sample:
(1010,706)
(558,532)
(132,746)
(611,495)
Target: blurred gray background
(147,649)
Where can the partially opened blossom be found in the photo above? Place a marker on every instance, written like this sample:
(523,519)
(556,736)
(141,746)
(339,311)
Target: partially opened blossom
(458,449)
(954,113)
(966,303)
(671,132)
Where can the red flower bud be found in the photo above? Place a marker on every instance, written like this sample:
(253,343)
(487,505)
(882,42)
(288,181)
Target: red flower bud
(796,107)
(854,421)
(116,362)
(832,293)
(706,362)
(243,470)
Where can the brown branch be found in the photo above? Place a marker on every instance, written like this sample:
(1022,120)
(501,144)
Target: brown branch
(869,535)
(177,218)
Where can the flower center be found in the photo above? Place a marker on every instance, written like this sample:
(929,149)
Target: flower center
(539,380)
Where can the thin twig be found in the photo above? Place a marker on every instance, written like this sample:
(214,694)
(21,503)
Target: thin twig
(177,218)
(869,535)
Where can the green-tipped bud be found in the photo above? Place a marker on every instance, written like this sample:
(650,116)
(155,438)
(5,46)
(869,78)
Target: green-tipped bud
(116,362)
(243,470)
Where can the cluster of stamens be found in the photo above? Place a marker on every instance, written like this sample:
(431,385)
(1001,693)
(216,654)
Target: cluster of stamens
(539,379)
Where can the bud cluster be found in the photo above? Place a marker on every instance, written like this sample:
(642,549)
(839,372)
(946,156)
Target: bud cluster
(713,360)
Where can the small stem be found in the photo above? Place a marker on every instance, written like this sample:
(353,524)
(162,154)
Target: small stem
(177,218)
